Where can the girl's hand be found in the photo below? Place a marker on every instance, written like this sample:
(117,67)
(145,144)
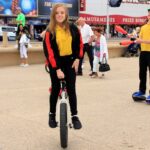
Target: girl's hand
(139,41)
(60,74)
(75,65)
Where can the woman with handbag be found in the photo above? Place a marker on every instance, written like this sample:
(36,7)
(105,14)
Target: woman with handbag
(100,51)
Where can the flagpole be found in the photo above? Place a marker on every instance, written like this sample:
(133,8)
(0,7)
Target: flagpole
(107,19)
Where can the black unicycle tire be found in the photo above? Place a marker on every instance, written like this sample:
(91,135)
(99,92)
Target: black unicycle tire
(63,125)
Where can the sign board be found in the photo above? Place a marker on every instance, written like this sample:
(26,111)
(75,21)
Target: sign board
(130,12)
(8,7)
(45,6)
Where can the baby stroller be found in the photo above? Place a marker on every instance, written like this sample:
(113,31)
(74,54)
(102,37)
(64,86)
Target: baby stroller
(132,50)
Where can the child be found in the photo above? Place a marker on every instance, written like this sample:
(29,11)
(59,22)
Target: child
(24,41)
(100,51)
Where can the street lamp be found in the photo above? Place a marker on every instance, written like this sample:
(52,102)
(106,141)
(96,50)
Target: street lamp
(111,3)
(107,21)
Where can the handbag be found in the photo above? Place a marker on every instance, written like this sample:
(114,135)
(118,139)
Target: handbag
(104,66)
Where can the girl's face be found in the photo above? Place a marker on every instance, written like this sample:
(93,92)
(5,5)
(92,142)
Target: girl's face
(21,27)
(97,33)
(60,15)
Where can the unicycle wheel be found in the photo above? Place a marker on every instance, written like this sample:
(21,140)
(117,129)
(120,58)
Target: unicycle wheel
(63,125)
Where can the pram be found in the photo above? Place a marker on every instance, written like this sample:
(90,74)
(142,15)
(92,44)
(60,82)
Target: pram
(132,50)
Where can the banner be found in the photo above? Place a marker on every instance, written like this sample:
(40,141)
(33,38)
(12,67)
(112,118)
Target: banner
(8,7)
(82,5)
(113,19)
(45,6)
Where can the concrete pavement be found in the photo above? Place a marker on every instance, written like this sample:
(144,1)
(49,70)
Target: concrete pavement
(110,118)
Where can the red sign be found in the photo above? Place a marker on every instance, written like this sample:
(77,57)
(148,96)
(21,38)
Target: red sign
(82,5)
(113,19)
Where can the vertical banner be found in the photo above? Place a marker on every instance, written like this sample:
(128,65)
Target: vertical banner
(45,7)
(82,5)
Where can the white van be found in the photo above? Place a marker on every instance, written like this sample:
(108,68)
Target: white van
(11,32)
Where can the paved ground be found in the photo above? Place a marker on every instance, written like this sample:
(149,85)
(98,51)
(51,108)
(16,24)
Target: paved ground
(111,120)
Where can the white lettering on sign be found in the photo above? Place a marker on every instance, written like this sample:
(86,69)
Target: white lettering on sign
(136,1)
(128,20)
(139,20)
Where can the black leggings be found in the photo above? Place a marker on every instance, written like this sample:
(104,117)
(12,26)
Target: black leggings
(87,48)
(144,63)
(70,78)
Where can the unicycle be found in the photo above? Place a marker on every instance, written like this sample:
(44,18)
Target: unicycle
(63,115)
(63,122)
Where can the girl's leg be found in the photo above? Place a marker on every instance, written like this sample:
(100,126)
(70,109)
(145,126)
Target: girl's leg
(70,77)
(24,49)
(95,63)
(142,71)
(21,56)
(53,98)
(55,84)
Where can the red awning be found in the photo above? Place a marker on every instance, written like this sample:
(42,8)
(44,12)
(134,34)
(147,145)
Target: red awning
(114,19)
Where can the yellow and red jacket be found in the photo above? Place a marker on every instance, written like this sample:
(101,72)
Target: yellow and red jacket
(51,50)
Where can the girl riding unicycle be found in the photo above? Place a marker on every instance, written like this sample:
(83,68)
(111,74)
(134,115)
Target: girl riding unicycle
(63,48)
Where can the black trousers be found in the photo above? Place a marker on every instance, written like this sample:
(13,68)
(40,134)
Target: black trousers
(86,48)
(70,78)
(144,63)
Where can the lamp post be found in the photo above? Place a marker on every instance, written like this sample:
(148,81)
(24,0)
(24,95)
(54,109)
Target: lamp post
(107,21)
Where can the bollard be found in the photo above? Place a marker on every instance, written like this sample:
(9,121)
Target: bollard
(5,39)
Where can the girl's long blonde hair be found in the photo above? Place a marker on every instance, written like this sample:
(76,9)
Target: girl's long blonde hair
(53,23)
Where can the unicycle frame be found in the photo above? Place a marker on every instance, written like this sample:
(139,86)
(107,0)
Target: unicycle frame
(63,111)
(63,115)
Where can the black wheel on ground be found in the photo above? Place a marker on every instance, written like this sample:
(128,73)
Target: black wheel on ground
(63,125)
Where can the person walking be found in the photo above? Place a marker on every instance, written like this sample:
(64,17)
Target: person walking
(63,48)
(100,51)
(88,37)
(24,41)
(144,59)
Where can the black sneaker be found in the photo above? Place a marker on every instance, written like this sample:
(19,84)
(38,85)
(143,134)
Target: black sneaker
(76,122)
(79,73)
(52,121)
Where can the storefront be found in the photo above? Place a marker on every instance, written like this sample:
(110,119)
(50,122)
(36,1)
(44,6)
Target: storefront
(131,12)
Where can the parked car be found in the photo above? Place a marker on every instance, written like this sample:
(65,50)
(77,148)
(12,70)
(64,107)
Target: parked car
(11,32)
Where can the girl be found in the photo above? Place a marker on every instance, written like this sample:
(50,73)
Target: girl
(63,49)
(24,41)
(100,50)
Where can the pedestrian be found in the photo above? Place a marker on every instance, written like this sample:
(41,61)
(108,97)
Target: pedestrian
(144,59)
(63,48)
(88,37)
(100,51)
(24,41)
(18,35)
(20,17)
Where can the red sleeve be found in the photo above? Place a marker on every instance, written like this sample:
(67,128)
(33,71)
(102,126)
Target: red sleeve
(51,57)
(81,46)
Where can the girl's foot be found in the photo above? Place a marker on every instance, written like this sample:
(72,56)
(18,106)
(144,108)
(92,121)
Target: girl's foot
(94,75)
(52,121)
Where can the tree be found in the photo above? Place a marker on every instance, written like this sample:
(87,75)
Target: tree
(115,3)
